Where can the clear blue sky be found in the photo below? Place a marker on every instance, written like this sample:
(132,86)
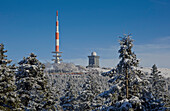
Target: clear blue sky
(86,25)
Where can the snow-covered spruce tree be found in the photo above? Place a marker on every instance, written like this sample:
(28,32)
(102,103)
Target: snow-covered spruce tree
(32,86)
(129,90)
(67,101)
(54,88)
(125,77)
(97,88)
(8,96)
(87,99)
(158,85)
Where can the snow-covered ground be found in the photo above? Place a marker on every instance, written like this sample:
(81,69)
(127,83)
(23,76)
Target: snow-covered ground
(70,67)
(98,69)
(164,71)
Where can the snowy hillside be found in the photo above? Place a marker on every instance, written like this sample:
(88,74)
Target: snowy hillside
(164,71)
(70,67)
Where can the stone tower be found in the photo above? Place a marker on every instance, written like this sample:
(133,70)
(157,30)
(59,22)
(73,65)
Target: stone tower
(93,60)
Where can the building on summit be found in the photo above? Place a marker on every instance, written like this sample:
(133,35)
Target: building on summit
(93,60)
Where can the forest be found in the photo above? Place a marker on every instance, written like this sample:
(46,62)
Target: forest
(34,86)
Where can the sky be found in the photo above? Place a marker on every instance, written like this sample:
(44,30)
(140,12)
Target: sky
(85,26)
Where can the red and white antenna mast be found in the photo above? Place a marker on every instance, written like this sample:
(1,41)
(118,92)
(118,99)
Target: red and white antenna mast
(57,56)
(57,34)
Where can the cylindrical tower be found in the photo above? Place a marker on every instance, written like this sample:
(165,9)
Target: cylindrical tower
(93,60)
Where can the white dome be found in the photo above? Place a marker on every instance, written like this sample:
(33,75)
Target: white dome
(94,54)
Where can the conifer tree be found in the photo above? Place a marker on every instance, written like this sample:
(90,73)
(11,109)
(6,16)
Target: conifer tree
(67,101)
(158,84)
(32,85)
(125,77)
(127,74)
(8,96)
(128,82)
(87,99)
